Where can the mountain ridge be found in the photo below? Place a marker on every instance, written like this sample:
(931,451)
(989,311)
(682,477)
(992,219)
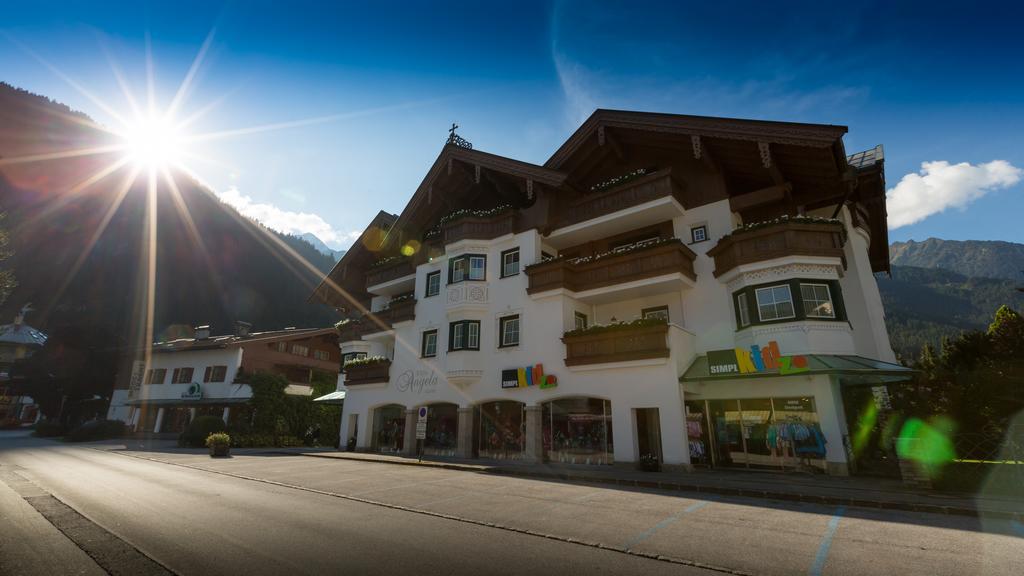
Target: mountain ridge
(972,258)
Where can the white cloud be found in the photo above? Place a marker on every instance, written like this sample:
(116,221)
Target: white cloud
(941,185)
(286,221)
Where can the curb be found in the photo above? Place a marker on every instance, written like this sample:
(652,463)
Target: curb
(701,488)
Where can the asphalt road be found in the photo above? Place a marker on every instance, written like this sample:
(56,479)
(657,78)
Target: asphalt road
(265,514)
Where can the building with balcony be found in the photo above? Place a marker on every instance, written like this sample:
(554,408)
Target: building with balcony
(205,374)
(694,290)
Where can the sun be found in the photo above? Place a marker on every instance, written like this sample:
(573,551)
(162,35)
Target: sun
(153,143)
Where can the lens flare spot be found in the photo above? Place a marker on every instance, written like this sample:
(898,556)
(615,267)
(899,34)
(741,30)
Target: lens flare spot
(411,247)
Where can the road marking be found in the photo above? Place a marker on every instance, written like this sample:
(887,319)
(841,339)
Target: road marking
(826,542)
(665,523)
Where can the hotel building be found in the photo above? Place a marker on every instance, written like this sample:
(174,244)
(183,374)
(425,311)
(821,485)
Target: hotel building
(680,289)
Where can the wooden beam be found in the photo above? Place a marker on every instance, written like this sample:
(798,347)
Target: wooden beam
(616,147)
(760,197)
(769,164)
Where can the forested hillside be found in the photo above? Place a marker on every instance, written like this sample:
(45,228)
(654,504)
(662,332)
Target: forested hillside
(80,254)
(923,305)
(974,258)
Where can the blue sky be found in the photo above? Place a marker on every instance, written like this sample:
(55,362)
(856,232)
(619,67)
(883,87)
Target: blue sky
(937,84)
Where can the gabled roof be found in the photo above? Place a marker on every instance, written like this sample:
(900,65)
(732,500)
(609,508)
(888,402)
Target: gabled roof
(372,237)
(801,134)
(21,334)
(451,152)
(232,341)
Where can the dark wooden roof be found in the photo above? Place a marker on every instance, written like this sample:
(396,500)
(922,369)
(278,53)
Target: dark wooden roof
(346,291)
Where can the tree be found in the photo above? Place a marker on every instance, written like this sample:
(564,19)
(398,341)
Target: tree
(7,282)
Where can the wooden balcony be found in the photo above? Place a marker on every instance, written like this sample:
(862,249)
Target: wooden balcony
(615,268)
(644,189)
(617,345)
(821,239)
(479,228)
(390,271)
(385,320)
(367,373)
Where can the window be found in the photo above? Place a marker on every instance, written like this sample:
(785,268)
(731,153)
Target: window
(467,267)
(744,310)
(434,283)
(477,267)
(510,263)
(464,335)
(300,350)
(580,320)
(656,312)
(817,301)
(282,346)
(509,330)
(775,303)
(699,233)
(181,376)
(322,355)
(215,374)
(350,356)
(156,376)
(428,347)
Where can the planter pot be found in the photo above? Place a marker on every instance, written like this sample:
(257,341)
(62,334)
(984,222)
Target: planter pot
(220,450)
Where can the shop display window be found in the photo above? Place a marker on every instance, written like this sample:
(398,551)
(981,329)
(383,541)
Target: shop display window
(442,430)
(578,431)
(389,428)
(501,432)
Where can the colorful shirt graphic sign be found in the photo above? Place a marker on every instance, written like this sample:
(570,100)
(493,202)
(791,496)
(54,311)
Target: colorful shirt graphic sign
(754,361)
(528,376)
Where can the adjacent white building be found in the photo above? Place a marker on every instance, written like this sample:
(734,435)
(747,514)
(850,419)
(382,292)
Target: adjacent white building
(695,291)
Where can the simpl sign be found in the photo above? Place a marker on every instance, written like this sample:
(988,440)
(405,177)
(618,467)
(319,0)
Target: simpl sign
(756,360)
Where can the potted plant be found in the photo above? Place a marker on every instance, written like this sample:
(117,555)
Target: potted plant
(219,444)
(649,463)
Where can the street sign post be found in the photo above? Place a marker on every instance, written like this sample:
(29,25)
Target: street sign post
(421,431)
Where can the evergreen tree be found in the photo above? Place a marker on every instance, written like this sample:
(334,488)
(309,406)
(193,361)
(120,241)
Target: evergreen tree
(7,282)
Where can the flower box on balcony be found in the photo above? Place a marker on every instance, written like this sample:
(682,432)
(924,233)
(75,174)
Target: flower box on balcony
(638,262)
(758,242)
(372,370)
(622,342)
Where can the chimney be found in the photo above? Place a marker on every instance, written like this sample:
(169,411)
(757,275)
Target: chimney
(242,329)
(202,332)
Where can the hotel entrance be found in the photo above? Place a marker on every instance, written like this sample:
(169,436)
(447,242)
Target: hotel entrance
(780,433)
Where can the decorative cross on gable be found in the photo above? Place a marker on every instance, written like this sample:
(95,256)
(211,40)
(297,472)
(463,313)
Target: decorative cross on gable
(457,140)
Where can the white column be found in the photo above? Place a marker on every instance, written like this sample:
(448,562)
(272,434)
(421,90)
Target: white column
(159,420)
(192,414)
(409,440)
(226,414)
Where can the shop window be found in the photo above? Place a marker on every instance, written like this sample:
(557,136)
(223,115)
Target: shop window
(215,373)
(699,233)
(442,430)
(817,301)
(467,267)
(501,431)
(578,431)
(510,263)
(657,312)
(464,335)
(743,310)
(433,283)
(580,321)
(181,376)
(389,428)
(508,327)
(428,346)
(156,376)
(775,303)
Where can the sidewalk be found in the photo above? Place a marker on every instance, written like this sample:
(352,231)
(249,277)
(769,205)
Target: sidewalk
(819,489)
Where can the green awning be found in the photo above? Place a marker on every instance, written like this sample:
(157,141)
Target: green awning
(332,398)
(854,370)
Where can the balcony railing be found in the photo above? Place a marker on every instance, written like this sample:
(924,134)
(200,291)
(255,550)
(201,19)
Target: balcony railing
(390,271)
(646,260)
(778,240)
(396,312)
(367,373)
(653,186)
(620,344)
(479,228)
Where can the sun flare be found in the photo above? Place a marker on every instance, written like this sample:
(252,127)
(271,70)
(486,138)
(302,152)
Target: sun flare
(153,143)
